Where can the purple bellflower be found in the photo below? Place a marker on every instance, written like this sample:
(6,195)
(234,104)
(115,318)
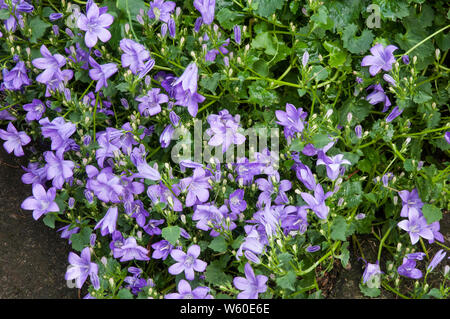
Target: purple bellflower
(317,202)
(381,58)
(251,285)
(187,262)
(371,275)
(41,202)
(35,110)
(408,269)
(130,250)
(151,102)
(293,120)
(57,168)
(161,10)
(438,257)
(206,8)
(134,55)
(95,23)
(14,140)
(394,113)
(197,187)
(108,223)
(410,201)
(82,267)
(16,78)
(416,225)
(101,73)
(161,249)
(378,96)
(185,292)
(333,164)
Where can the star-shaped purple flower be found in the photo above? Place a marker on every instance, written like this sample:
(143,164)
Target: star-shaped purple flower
(381,58)
(82,267)
(41,202)
(95,23)
(14,140)
(187,262)
(251,285)
(185,292)
(101,73)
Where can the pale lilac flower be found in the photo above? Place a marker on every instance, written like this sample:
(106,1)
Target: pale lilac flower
(394,113)
(206,9)
(163,10)
(224,132)
(14,140)
(371,275)
(405,59)
(197,187)
(304,175)
(435,227)
(172,28)
(270,187)
(101,73)
(81,268)
(55,16)
(317,202)
(16,78)
(189,78)
(447,137)
(95,23)
(237,34)
(438,257)
(408,269)
(134,55)
(146,171)
(251,285)
(305,59)
(35,110)
(51,64)
(378,96)
(41,202)
(58,130)
(161,249)
(58,169)
(108,223)
(151,102)
(166,136)
(187,262)
(313,249)
(381,58)
(416,256)
(358,131)
(236,201)
(185,292)
(410,201)
(130,250)
(389,79)
(293,120)
(333,164)
(416,225)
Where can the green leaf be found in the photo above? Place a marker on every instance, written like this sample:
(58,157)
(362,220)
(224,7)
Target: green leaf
(228,19)
(431,213)
(287,281)
(210,82)
(39,27)
(266,8)
(134,6)
(369,292)
(357,44)
(215,274)
(320,140)
(171,234)
(218,244)
(265,41)
(81,239)
(49,220)
(337,55)
(4,14)
(124,294)
(339,229)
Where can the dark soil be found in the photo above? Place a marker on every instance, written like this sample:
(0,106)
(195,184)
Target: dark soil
(33,257)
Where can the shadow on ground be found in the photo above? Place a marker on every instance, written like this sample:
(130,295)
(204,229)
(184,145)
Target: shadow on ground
(33,257)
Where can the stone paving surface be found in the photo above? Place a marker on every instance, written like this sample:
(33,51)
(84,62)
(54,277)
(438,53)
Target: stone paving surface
(33,257)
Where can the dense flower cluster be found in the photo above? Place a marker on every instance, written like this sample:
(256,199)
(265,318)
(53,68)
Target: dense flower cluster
(107,123)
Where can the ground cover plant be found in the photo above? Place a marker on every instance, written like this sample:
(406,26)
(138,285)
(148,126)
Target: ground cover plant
(233,149)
